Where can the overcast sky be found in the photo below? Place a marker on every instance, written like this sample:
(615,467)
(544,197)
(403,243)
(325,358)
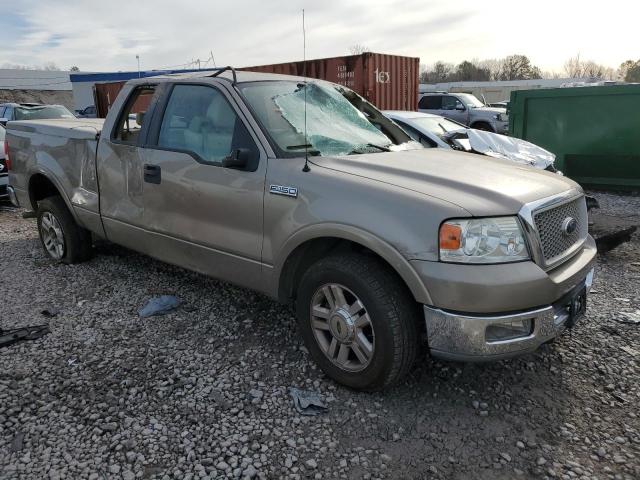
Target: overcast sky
(106,35)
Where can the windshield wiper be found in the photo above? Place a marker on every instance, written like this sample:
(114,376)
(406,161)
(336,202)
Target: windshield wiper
(308,147)
(379,147)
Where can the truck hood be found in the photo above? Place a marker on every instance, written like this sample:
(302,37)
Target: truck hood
(481,185)
(489,110)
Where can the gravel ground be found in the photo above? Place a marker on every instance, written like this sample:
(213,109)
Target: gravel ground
(203,392)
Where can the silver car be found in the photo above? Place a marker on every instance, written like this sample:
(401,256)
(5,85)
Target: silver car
(465,108)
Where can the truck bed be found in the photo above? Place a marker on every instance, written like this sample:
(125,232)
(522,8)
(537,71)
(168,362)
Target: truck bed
(64,150)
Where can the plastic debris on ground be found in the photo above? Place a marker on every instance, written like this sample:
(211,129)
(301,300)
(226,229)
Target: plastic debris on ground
(159,306)
(629,317)
(14,335)
(307,402)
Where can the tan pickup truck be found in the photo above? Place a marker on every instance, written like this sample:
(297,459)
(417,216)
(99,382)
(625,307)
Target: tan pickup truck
(302,190)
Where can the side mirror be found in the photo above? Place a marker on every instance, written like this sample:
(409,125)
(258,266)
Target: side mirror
(460,108)
(238,158)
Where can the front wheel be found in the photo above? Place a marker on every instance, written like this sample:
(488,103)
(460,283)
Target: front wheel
(62,238)
(358,321)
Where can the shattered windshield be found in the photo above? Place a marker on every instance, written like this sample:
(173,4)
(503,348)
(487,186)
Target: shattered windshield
(333,125)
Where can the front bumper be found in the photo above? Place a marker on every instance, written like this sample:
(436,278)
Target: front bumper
(464,337)
(11,193)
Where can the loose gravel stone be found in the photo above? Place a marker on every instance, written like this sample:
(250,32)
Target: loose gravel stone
(202,392)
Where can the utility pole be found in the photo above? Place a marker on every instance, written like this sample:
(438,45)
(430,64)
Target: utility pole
(138,59)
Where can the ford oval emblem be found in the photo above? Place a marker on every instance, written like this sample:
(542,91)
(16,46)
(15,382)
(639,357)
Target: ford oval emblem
(569,226)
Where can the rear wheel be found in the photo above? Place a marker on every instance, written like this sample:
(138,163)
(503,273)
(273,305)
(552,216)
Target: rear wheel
(62,238)
(358,321)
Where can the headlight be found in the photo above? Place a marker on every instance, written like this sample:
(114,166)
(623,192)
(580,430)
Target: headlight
(482,240)
(502,117)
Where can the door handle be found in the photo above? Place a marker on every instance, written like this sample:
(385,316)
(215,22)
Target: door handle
(152,174)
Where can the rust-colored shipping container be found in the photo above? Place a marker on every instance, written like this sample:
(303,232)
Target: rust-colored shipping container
(390,82)
(104,94)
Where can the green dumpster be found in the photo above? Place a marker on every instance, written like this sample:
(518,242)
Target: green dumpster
(593,131)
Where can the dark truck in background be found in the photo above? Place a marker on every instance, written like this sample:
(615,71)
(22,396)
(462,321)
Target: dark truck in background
(304,191)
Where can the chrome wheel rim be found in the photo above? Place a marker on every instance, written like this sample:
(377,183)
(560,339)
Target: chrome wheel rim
(342,327)
(52,236)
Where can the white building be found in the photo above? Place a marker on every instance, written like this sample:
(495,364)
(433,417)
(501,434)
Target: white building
(499,91)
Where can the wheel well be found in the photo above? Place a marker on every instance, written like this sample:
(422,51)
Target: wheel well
(40,187)
(310,252)
(481,122)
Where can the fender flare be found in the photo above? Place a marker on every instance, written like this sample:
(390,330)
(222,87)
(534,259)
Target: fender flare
(48,174)
(362,237)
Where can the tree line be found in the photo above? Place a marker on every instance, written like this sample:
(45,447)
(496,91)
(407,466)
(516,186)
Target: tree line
(519,67)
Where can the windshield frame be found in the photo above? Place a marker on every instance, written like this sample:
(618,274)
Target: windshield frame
(396,136)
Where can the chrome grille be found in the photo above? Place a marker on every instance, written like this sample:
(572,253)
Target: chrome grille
(555,243)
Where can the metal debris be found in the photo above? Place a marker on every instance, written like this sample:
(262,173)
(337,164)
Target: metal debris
(159,306)
(307,402)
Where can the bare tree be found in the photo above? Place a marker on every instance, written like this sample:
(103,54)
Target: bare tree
(74,69)
(358,49)
(438,73)
(494,65)
(575,67)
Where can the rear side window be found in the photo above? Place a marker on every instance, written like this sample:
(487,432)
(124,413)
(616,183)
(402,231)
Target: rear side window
(8,113)
(133,115)
(430,102)
(199,119)
(2,112)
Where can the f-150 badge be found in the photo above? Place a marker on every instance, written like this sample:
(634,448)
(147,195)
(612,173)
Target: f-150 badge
(284,190)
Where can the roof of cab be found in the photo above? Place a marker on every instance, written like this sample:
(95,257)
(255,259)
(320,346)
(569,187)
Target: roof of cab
(241,77)
(408,114)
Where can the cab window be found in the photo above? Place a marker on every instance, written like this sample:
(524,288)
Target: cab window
(430,102)
(198,119)
(133,116)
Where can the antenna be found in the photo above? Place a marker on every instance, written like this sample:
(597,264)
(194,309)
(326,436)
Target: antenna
(304,74)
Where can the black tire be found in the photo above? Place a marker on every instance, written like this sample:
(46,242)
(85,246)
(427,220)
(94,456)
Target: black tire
(77,240)
(484,126)
(392,309)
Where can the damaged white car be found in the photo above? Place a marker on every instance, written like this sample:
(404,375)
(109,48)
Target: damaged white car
(436,131)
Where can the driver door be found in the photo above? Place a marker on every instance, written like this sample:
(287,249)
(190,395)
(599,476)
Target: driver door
(454,109)
(202,215)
